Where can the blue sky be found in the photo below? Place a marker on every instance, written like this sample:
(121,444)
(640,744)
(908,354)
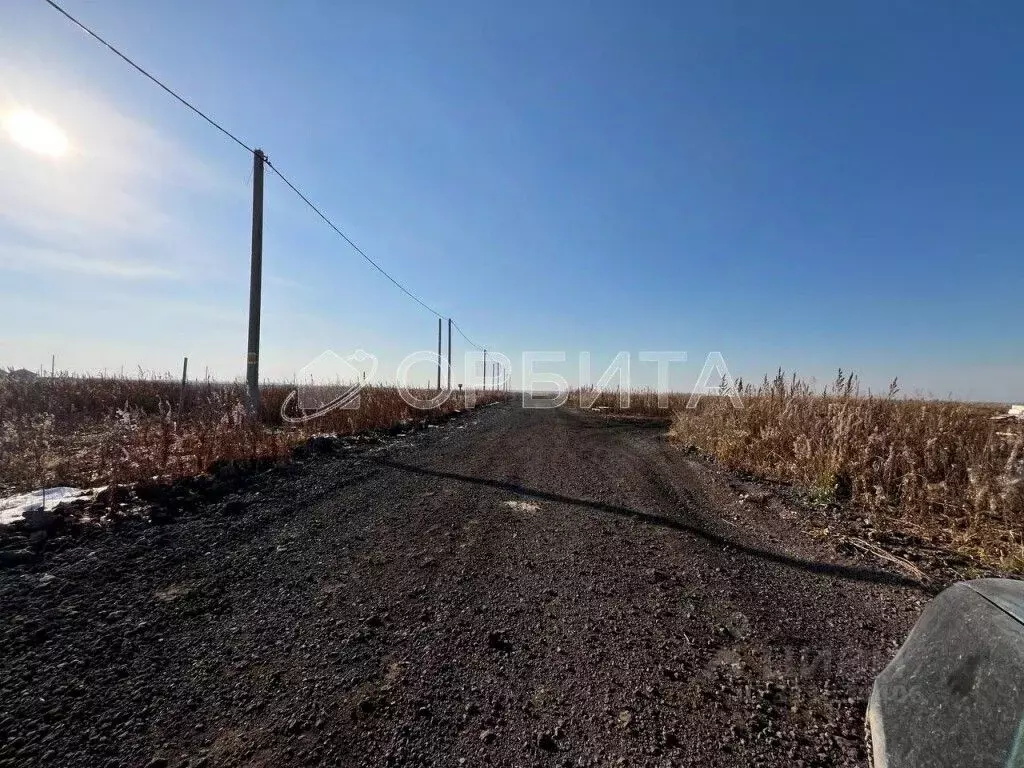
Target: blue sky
(790,183)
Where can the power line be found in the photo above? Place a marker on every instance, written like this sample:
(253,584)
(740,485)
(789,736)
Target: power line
(348,240)
(245,146)
(142,71)
(463,335)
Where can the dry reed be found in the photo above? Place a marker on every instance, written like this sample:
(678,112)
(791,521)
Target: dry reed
(97,431)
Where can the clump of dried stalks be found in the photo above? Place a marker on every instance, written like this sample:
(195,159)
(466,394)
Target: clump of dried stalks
(98,431)
(946,471)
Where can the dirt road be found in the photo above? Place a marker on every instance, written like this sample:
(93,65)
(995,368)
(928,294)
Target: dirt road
(513,588)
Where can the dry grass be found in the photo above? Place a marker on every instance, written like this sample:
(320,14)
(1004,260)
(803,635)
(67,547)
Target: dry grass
(91,431)
(945,471)
(642,401)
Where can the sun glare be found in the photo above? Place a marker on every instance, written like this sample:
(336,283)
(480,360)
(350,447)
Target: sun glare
(35,133)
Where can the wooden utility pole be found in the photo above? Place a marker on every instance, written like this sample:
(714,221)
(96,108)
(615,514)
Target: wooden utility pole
(485,370)
(449,354)
(439,354)
(252,363)
(184,383)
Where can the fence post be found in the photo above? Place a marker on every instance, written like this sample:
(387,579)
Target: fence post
(449,354)
(252,363)
(485,370)
(439,354)
(184,383)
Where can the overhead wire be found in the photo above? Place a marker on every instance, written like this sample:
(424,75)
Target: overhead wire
(348,240)
(463,334)
(145,73)
(250,149)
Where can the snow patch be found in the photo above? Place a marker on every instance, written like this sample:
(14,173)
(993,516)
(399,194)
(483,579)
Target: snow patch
(523,506)
(1015,412)
(13,508)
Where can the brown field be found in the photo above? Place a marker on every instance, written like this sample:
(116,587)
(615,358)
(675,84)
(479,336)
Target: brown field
(92,431)
(946,472)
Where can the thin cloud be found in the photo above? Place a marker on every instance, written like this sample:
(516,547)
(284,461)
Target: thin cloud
(47,260)
(284,282)
(107,207)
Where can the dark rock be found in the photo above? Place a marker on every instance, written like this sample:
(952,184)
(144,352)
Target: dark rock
(487,736)
(113,495)
(322,444)
(496,639)
(161,515)
(199,483)
(656,575)
(39,519)
(225,469)
(843,487)
(12,557)
(232,507)
(546,742)
(152,492)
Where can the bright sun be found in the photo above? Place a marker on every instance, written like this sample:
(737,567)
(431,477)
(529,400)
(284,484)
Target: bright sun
(34,132)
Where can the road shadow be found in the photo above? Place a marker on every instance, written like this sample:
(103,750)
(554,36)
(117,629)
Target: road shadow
(852,573)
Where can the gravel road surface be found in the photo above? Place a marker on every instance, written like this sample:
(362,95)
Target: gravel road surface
(512,588)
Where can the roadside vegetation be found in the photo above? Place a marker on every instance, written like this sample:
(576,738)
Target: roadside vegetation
(949,473)
(86,432)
